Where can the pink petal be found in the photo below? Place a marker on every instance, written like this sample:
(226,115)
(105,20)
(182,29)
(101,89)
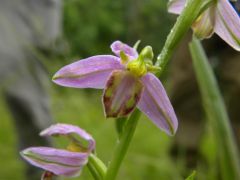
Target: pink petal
(227,24)
(156,104)
(122,93)
(88,73)
(176,6)
(118,46)
(203,25)
(58,161)
(65,129)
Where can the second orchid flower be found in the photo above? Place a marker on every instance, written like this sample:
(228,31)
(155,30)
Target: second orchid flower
(65,162)
(220,17)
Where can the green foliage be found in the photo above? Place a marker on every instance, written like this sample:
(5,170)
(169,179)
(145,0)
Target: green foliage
(91,26)
(9,157)
(216,112)
(191,176)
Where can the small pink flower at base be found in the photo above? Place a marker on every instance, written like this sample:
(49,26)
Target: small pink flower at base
(220,18)
(127,82)
(60,161)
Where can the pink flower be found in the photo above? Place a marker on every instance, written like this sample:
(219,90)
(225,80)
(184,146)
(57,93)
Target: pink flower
(220,17)
(127,82)
(60,161)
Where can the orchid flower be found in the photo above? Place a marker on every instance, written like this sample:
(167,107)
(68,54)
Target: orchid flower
(220,17)
(60,161)
(127,82)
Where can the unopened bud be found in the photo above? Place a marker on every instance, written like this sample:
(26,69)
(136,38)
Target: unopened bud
(147,54)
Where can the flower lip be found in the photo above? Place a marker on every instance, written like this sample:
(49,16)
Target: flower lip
(122,93)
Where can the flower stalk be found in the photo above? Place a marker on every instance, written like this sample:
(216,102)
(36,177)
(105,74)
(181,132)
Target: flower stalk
(96,167)
(122,146)
(94,173)
(216,113)
(120,124)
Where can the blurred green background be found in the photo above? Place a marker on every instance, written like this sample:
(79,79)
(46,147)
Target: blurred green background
(89,29)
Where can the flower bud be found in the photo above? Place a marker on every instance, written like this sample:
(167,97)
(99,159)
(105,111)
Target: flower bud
(147,55)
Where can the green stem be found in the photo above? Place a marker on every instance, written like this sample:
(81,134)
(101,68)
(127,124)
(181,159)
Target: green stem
(97,165)
(120,124)
(93,172)
(184,21)
(216,113)
(122,146)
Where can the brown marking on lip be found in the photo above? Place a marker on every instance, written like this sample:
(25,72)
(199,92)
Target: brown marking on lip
(130,99)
